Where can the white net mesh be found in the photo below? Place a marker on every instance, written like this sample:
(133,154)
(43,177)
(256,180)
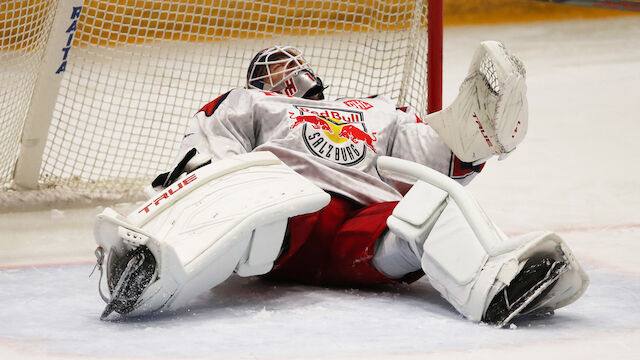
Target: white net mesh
(138,70)
(24,27)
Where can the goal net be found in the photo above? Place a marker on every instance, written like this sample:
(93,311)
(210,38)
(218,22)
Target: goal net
(96,95)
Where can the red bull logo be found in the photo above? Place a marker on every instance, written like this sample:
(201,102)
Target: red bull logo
(315,121)
(337,135)
(356,135)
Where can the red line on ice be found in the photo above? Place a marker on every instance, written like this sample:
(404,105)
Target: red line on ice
(586,228)
(39,265)
(560,230)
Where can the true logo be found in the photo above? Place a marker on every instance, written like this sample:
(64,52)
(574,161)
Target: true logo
(334,134)
(168,193)
(486,138)
(515,131)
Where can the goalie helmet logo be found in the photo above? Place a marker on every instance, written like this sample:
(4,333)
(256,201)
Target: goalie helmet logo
(282,69)
(334,134)
(290,87)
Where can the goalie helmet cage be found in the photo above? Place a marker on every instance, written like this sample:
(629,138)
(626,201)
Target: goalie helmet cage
(95,95)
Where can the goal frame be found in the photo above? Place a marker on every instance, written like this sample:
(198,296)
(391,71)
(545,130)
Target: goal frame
(34,135)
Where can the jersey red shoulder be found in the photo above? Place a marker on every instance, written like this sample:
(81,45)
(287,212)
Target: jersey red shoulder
(406,110)
(211,107)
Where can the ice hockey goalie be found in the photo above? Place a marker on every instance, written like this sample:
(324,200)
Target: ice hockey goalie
(275,180)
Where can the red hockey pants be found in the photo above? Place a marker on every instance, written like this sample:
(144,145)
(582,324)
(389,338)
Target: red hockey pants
(335,245)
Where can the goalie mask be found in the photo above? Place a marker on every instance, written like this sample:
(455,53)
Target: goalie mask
(284,70)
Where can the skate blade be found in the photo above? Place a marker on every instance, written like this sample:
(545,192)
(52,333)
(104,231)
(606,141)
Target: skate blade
(533,293)
(118,292)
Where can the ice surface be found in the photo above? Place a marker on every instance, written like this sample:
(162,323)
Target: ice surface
(576,173)
(56,309)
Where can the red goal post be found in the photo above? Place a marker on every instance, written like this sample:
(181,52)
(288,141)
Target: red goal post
(97,94)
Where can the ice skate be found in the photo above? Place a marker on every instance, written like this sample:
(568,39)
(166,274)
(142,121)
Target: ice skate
(526,292)
(128,276)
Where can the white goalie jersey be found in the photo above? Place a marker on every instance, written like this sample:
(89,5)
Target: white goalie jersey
(334,144)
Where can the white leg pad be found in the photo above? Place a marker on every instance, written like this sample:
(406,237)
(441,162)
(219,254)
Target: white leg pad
(464,255)
(230,216)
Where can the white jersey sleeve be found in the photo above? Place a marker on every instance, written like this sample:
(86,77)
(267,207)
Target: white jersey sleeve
(225,125)
(222,128)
